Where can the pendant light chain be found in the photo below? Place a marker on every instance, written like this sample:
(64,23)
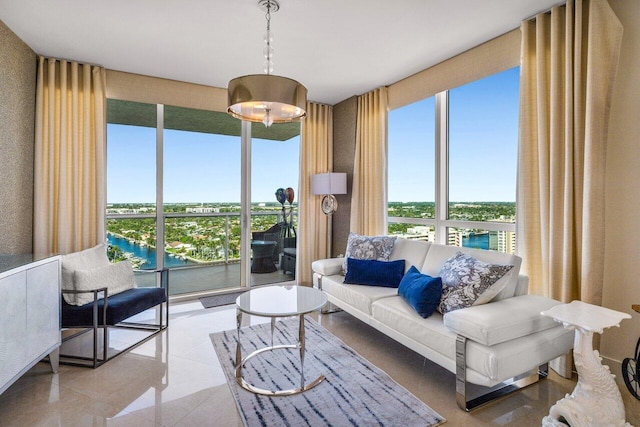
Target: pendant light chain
(268,38)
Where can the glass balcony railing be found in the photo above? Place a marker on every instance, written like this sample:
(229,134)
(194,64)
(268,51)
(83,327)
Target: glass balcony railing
(202,249)
(496,236)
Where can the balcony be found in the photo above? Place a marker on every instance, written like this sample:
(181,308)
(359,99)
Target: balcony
(201,248)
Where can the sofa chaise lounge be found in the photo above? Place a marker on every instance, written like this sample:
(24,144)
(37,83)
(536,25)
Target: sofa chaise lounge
(501,346)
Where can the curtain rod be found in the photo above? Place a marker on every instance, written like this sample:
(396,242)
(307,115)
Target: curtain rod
(71,60)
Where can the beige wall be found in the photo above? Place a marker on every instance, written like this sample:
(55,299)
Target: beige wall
(489,58)
(344,149)
(154,90)
(622,242)
(17,109)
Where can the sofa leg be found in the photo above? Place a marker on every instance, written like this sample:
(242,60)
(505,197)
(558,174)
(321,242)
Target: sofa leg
(461,372)
(332,308)
(462,396)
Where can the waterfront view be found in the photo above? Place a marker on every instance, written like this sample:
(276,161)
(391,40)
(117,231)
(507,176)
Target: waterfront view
(501,212)
(212,234)
(202,159)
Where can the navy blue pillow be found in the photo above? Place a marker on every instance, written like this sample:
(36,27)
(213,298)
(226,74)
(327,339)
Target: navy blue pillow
(422,292)
(374,273)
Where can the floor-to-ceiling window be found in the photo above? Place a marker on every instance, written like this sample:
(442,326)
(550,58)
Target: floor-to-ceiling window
(174,192)
(452,165)
(131,183)
(411,160)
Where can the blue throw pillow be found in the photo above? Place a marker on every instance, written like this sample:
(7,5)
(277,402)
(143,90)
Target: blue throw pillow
(374,273)
(420,291)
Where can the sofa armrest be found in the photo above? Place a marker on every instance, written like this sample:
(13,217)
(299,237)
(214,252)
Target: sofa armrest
(328,267)
(503,320)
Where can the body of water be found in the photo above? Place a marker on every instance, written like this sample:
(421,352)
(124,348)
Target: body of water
(146,253)
(479,241)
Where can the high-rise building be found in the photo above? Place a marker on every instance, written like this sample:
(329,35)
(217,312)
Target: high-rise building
(507,242)
(454,237)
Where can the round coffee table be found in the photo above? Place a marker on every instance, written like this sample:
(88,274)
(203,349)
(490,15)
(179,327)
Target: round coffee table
(273,302)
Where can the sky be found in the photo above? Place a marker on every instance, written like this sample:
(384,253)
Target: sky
(483,141)
(198,167)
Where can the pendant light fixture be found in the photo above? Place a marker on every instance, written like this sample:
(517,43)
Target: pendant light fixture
(264,97)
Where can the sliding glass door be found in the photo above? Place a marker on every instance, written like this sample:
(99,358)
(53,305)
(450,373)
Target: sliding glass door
(180,182)
(275,161)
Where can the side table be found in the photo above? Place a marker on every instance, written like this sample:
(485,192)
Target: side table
(596,400)
(263,256)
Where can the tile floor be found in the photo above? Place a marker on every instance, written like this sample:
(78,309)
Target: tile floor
(175,380)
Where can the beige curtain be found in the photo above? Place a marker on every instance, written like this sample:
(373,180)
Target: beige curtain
(369,193)
(316,156)
(69,178)
(569,62)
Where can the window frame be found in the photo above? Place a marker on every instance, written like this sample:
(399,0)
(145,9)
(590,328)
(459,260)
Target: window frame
(441,223)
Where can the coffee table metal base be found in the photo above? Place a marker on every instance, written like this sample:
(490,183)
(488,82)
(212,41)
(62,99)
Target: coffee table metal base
(241,361)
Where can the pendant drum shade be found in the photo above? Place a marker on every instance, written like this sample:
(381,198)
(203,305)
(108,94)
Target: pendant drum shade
(254,96)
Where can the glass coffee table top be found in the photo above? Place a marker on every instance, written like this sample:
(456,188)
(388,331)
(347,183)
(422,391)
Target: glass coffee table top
(281,301)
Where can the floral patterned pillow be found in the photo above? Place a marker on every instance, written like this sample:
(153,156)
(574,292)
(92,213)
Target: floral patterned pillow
(368,247)
(465,279)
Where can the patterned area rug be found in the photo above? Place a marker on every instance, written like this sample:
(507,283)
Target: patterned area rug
(354,393)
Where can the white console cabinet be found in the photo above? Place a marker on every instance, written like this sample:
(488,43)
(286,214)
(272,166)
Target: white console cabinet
(29,314)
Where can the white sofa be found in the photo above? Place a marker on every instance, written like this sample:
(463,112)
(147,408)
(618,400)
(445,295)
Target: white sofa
(504,344)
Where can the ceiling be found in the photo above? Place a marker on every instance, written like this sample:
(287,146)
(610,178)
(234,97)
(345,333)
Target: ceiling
(336,48)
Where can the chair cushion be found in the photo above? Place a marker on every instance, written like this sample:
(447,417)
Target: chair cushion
(503,320)
(374,273)
(396,314)
(412,251)
(359,296)
(87,259)
(327,267)
(121,306)
(116,278)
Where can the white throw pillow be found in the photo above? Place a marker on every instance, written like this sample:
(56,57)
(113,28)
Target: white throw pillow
(87,259)
(465,280)
(368,247)
(116,278)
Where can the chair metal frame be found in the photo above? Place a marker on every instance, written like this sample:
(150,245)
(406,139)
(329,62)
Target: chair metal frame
(162,279)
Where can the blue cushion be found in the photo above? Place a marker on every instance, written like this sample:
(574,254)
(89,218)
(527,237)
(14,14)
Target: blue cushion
(121,306)
(420,291)
(374,273)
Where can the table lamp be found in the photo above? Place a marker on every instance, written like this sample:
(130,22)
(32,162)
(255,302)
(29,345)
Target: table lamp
(328,184)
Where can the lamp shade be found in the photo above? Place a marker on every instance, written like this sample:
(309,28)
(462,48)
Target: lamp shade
(254,96)
(329,183)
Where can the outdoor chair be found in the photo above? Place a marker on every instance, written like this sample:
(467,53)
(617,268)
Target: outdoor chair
(273,234)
